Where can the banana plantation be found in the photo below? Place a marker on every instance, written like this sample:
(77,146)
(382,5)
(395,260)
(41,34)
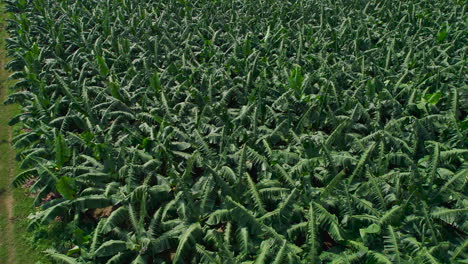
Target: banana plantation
(243,132)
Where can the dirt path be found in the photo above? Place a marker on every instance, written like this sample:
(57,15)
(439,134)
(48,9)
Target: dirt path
(8,167)
(9,202)
(7,199)
(8,234)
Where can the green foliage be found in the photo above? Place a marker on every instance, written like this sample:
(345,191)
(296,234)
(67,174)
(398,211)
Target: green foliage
(244,131)
(66,187)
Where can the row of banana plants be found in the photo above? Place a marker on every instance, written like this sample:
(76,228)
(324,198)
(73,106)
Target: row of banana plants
(216,131)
